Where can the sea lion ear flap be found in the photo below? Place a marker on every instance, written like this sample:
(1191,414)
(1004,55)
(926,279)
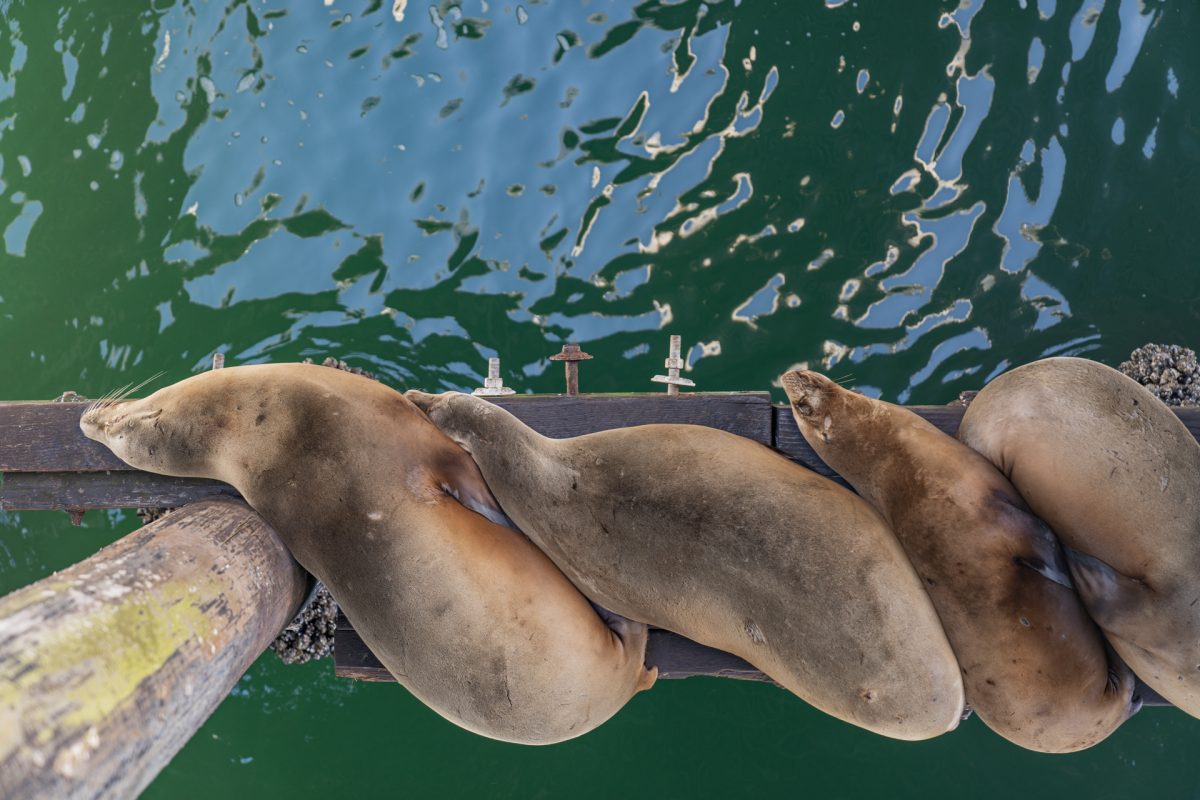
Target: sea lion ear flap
(806,391)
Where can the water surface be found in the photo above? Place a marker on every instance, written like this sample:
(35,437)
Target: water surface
(912,197)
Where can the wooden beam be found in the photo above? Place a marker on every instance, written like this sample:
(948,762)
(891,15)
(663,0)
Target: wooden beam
(675,657)
(45,437)
(747,414)
(71,491)
(107,668)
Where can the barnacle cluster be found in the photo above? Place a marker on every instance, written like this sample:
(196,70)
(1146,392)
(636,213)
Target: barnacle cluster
(343,366)
(310,634)
(1169,371)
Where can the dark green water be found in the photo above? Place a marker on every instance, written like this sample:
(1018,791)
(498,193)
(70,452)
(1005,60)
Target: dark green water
(908,195)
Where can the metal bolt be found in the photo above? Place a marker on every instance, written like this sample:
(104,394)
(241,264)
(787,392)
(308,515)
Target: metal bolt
(571,355)
(673,365)
(493,384)
(218,360)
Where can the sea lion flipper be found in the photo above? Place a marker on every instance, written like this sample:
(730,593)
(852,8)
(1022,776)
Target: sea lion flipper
(1111,598)
(422,400)
(632,634)
(1055,571)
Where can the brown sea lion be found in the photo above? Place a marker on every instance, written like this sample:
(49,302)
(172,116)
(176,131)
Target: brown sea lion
(720,539)
(1117,476)
(467,614)
(1035,667)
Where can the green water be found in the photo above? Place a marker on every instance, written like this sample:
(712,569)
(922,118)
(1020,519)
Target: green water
(912,196)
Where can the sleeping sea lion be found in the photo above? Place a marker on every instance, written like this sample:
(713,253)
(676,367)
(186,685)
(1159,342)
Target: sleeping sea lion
(467,614)
(1117,476)
(726,542)
(1035,667)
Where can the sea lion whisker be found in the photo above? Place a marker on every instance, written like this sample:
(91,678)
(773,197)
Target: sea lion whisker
(131,388)
(104,401)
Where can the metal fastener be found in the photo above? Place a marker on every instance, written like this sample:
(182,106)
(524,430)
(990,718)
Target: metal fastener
(571,355)
(218,360)
(673,365)
(493,384)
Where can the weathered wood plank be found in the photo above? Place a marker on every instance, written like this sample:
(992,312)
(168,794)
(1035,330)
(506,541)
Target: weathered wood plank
(747,414)
(66,491)
(675,657)
(107,668)
(45,437)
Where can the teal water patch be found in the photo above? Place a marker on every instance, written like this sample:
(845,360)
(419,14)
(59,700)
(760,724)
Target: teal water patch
(913,197)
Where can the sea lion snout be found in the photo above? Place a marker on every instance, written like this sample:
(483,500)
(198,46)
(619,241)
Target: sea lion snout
(807,391)
(105,422)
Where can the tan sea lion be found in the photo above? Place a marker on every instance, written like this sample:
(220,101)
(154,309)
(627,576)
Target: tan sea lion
(1117,476)
(468,615)
(1035,666)
(720,539)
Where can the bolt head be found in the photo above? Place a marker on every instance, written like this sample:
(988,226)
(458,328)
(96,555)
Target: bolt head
(570,352)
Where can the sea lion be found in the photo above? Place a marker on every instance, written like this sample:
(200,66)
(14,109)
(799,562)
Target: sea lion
(1034,665)
(1117,476)
(467,614)
(728,543)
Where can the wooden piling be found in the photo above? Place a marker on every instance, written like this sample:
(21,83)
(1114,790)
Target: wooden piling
(107,668)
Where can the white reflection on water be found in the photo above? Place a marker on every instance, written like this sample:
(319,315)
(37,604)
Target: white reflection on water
(1022,218)
(452,139)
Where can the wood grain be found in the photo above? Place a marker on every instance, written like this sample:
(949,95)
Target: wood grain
(675,657)
(747,414)
(68,491)
(45,437)
(108,667)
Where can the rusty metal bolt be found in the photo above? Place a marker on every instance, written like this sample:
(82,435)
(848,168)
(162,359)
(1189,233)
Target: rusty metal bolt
(673,364)
(493,384)
(571,355)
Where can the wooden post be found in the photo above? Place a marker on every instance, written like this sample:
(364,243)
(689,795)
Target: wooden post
(109,667)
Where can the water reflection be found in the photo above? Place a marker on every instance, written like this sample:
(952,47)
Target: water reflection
(421,189)
(914,196)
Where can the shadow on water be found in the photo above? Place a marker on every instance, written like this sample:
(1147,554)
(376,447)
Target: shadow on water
(914,197)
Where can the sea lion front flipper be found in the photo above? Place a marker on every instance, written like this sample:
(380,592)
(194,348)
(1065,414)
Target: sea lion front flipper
(1114,600)
(1042,552)
(632,634)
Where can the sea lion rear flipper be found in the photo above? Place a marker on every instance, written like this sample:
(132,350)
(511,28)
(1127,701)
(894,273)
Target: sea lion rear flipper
(1115,601)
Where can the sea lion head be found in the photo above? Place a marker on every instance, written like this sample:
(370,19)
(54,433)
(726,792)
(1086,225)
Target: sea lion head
(179,429)
(815,401)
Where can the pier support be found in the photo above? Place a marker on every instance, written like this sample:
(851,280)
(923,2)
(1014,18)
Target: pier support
(107,668)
